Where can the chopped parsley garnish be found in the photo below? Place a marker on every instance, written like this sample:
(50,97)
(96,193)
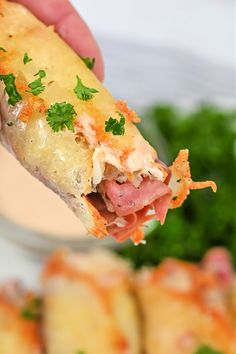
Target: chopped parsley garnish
(37,86)
(41,74)
(10,88)
(82,92)
(60,116)
(115,126)
(89,62)
(3,50)
(207,350)
(32,310)
(26,58)
(175,197)
(80,352)
(10,124)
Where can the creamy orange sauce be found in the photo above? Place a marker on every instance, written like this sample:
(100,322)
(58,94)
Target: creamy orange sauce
(28,203)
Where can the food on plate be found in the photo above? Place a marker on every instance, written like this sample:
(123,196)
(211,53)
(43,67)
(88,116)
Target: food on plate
(187,308)
(19,320)
(88,305)
(66,129)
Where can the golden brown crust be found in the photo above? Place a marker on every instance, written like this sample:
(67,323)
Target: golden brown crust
(98,223)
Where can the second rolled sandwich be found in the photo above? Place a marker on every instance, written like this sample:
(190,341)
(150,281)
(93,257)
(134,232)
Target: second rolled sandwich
(188,308)
(88,305)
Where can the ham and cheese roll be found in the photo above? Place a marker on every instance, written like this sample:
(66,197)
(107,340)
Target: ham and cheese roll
(19,325)
(88,305)
(186,308)
(66,129)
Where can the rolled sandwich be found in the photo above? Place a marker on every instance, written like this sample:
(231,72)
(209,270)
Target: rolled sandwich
(19,320)
(88,305)
(187,308)
(67,130)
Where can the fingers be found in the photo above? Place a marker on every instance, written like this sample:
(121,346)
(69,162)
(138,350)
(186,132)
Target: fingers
(70,26)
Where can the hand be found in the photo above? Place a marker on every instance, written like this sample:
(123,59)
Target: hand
(70,26)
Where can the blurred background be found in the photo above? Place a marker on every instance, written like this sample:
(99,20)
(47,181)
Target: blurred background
(174,62)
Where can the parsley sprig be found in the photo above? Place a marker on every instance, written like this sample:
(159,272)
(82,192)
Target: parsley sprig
(10,88)
(37,86)
(82,92)
(32,310)
(3,50)
(115,126)
(60,116)
(26,58)
(207,350)
(89,62)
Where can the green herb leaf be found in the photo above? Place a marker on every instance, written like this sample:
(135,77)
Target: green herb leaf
(115,126)
(80,352)
(89,62)
(26,58)
(41,74)
(37,86)
(82,92)
(10,88)
(207,350)
(10,124)
(61,115)
(3,50)
(32,310)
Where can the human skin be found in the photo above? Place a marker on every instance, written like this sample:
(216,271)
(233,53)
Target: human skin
(70,26)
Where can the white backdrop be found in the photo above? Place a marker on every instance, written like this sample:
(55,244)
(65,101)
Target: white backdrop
(204,27)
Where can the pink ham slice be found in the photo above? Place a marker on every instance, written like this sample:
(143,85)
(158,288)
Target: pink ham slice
(127,199)
(133,222)
(161,206)
(132,204)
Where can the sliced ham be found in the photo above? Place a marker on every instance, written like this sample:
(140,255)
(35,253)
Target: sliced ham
(161,206)
(132,205)
(127,199)
(134,222)
(126,207)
